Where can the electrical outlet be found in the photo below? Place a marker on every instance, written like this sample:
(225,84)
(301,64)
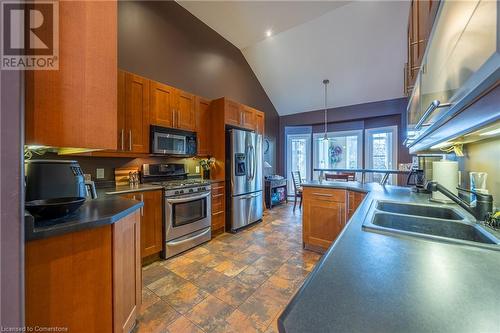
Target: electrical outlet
(100,173)
(197,169)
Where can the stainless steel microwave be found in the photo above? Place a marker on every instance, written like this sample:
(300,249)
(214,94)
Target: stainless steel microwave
(173,142)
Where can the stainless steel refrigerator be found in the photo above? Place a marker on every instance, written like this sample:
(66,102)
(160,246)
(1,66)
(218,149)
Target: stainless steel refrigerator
(244,178)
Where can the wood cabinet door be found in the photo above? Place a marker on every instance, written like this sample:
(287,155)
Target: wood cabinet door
(127,278)
(68,281)
(323,222)
(76,105)
(248,117)
(218,207)
(162,104)
(203,122)
(232,113)
(121,111)
(136,113)
(259,122)
(151,222)
(323,217)
(413,62)
(186,111)
(354,199)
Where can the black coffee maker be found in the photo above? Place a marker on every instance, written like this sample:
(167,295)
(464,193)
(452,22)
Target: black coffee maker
(416,178)
(421,171)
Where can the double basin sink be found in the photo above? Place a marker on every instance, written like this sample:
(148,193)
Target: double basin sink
(427,221)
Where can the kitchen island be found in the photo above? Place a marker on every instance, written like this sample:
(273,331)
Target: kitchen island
(375,282)
(83,271)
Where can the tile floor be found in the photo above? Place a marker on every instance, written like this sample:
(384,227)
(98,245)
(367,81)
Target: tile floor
(234,283)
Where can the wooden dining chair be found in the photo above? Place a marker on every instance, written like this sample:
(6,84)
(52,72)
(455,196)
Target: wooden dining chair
(297,184)
(341,176)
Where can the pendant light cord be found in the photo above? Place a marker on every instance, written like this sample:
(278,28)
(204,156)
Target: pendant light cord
(325,82)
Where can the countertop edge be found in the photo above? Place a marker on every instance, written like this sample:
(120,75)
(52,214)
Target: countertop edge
(33,232)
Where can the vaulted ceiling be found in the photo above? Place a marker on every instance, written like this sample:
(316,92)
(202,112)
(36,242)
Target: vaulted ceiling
(360,46)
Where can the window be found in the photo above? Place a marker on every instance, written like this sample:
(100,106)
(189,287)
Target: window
(381,151)
(342,150)
(298,157)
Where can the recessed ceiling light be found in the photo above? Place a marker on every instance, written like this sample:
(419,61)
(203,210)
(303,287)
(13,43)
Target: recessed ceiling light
(269,33)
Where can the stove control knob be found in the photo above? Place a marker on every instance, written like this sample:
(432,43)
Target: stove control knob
(190,190)
(181,192)
(176,192)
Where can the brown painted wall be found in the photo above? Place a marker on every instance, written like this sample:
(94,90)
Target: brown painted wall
(163,41)
(360,116)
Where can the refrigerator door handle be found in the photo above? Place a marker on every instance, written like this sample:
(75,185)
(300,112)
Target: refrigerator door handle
(248,162)
(254,160)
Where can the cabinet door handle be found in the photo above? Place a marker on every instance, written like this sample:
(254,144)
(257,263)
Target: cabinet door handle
(217,195)
(123,138)
(142,208)
(130,140)
(323,195)
(433,106)
(173,120)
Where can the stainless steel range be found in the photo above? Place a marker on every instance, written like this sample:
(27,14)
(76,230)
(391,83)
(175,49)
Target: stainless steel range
(187,207)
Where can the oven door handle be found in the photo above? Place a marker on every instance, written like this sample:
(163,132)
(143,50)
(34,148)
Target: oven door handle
(190,238)
(187,199)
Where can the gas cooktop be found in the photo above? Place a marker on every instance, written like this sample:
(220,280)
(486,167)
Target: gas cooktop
(184,183)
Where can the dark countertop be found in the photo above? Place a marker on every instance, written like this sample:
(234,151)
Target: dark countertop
(352,186)
(364,170)
(127,189)
(92,214)
(372,282)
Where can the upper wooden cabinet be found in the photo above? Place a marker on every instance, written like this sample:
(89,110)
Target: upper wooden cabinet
(232,112)
(133,113)
(203,121)
(259,122)
(76,106)
(186,106)
(420,21)
(239,115)
(171,107)
(162,104)
(248,117)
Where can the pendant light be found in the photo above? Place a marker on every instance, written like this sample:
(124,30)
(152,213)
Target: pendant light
(325,82)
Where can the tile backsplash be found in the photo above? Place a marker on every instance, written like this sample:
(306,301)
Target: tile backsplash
(90,165)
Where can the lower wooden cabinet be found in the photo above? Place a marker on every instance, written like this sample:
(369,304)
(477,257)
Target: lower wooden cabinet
(218,207)
(325,213)
(151,221)
(353,201)
(87,281)
(323,217)
(127,277)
